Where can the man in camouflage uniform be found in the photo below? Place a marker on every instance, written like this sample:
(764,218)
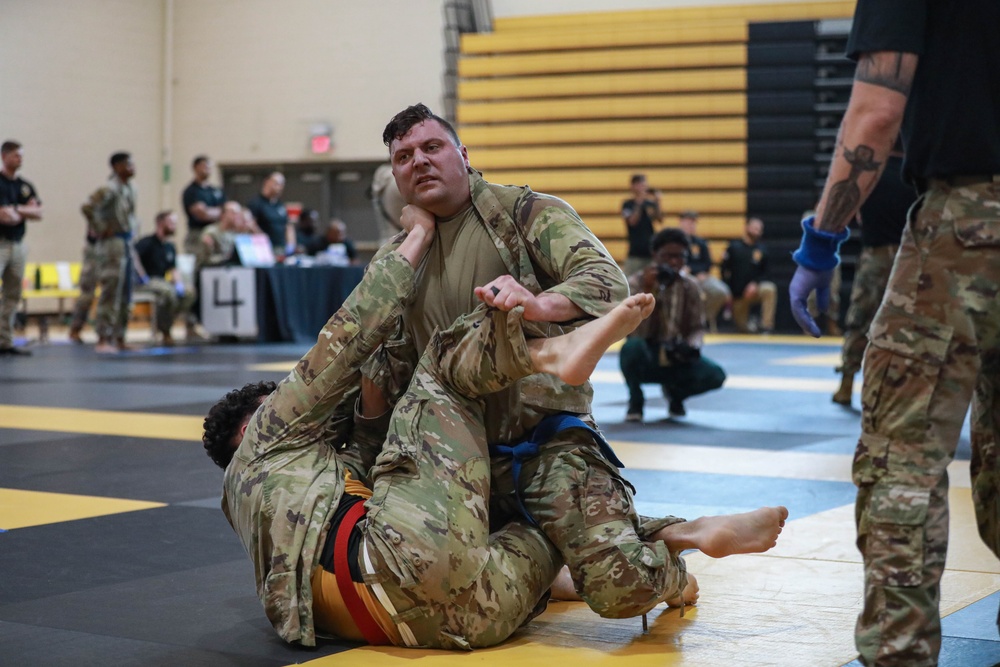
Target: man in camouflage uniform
(425,549)
(935,342)
(510,247)
(116,224)
(883,217)
(87,286)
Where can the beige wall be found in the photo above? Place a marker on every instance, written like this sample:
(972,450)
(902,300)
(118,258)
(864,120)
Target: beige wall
(81,80)
(84,78)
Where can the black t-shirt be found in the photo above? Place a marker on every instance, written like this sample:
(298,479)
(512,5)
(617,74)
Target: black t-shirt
(12,193)
(209,195)
(272,218)
(883,215)
(743,264)
(699,259)
(952,120)
(641,234)
(157,256)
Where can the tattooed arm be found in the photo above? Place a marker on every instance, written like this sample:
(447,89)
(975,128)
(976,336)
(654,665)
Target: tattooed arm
(878,98)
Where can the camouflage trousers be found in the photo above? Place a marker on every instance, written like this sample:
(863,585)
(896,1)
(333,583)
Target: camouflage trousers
(169,304)
(428,553)
(11,277)
(88,286)
(114,276)
(870,281)
(935,348)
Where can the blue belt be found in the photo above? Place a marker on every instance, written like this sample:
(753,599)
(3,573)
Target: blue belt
(544,432)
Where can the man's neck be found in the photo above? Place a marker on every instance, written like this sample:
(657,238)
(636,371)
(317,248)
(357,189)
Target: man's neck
(11,175)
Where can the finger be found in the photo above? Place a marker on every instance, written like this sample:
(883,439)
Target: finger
(823,298)
(485,295)
(800,311)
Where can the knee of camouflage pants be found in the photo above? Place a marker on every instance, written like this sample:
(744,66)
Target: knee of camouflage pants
(584,506)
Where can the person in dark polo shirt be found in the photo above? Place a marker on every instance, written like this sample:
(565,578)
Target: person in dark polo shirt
(202,202)
(18,202)
(270,212)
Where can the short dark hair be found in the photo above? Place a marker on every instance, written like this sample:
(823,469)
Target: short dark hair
(689,214)
(669,235)
(119,157)
(402,122)
(198,160)
(225,418)
(162,215)
(638,178)
(9,146)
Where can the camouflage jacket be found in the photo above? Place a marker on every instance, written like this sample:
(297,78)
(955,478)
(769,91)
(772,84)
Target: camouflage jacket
(547,247)
(678,313)
(112,209)
(287,476)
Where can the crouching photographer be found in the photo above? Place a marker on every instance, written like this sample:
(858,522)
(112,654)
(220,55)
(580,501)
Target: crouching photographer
(666,348)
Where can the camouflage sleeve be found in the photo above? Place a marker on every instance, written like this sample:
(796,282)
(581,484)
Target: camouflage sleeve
(578,264)
(328,375)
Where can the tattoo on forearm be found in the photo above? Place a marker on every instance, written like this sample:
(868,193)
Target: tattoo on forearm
(885,72)
(845,195)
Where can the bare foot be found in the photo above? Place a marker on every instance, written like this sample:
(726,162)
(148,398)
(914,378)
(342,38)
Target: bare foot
(574,356)
(727,535)
(688,596)
(563,588)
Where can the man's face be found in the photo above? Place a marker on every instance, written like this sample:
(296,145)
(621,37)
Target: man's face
(688,225)
(125,170)
(755,228)
(169,225)
(12,161)
(639,188)
(274,186)
(203,170)
(430,170)
(672,254)
(232,214)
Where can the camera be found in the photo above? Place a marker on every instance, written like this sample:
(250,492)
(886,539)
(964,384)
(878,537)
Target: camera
(666,275)
(677,352)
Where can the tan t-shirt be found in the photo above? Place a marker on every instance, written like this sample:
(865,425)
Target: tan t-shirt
(461,258)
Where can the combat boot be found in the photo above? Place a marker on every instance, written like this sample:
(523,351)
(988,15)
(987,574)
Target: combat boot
(846,391)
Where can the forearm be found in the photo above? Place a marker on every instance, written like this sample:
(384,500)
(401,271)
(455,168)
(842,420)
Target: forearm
(867,134)
(29,211)
(552,307)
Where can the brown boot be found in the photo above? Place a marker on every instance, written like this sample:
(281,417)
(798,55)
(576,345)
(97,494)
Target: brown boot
(846,391)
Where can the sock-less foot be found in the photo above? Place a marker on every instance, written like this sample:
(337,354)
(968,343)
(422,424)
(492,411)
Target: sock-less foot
(727,535)
(574,356)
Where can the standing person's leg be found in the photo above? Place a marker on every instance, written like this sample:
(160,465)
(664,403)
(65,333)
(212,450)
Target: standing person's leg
(110,258)
(12,275)
(123,300)
(870,281)
(920,369)
(88,285)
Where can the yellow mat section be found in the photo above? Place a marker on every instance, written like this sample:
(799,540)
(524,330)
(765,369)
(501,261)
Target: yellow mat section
(102,422)
(20,509)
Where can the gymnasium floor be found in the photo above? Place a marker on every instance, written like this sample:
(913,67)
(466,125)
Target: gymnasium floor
(115,551)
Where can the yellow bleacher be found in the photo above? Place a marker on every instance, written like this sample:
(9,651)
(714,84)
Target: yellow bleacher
(574,104)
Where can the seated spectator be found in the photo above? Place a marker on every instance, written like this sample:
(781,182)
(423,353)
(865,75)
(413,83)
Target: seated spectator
(744,268)
(217,246)
(308,239)
(666,348)
(714,292)
(336,235)
(157,257)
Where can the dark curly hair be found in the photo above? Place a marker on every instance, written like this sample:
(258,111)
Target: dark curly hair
(402,122)
(225,418)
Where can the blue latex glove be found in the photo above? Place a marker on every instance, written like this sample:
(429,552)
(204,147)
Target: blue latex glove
(179,289)
(143,279)
(818,255)
(803,283)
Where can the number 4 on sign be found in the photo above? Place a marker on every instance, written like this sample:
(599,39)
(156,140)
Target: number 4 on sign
(234,300)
